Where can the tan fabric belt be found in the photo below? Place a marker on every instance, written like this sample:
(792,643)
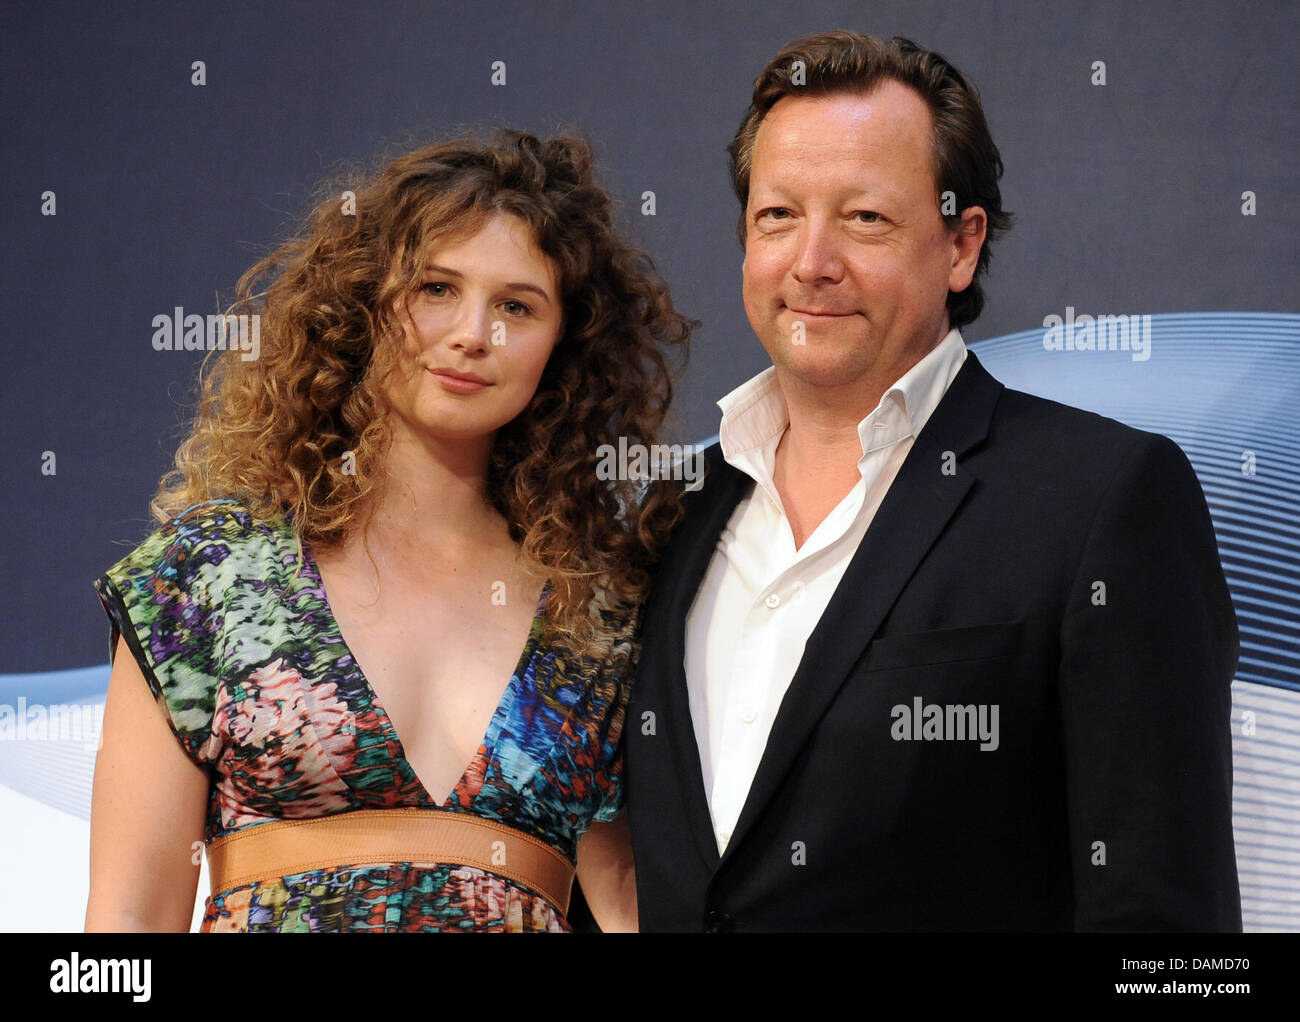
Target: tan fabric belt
(431,837)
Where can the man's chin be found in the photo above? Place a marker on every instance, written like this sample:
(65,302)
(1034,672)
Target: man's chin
(823,369)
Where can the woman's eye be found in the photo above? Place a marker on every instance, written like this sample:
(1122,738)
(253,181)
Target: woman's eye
(515,308)
(435,289)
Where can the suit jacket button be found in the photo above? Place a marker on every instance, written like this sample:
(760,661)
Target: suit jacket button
(717,921)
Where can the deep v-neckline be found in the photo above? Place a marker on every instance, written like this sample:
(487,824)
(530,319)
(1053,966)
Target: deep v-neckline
(498,713)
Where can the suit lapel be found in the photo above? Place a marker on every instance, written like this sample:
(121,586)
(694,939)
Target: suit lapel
(914,512)
(707,513)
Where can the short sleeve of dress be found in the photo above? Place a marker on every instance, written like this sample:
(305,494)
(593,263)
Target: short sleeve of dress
(164,599)
(620,665)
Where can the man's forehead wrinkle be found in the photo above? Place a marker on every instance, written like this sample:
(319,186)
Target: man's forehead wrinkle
(795,159)
(797,147)
(792,172)
(806,137)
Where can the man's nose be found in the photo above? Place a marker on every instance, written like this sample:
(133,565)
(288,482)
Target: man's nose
(817,258)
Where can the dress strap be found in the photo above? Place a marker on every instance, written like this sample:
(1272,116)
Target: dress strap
(269,851)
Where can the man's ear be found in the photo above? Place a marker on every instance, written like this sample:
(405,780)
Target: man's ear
(967,240)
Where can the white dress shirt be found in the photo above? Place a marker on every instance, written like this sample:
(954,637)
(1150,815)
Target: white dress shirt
(761,598)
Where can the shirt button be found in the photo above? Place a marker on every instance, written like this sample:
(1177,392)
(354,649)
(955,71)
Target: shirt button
(749,716)
(773,600)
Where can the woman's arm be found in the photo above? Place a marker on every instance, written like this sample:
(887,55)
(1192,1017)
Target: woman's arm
(147,814)
(606,875)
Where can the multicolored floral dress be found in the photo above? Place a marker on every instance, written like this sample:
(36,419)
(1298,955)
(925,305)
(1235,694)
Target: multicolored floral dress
(233,631)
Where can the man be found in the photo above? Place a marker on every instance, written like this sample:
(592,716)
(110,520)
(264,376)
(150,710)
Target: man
(926,653)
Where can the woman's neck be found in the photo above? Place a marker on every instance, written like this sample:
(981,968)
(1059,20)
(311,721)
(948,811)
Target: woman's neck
(432,495)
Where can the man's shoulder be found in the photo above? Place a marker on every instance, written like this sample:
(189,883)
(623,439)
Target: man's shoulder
(1044,438)
(1022,405)
(1066,428)
(1019,412)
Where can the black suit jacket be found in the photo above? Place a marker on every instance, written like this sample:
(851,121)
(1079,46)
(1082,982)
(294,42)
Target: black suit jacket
(1030,556)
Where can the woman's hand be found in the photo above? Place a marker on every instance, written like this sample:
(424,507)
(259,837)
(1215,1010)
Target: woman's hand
(147,814)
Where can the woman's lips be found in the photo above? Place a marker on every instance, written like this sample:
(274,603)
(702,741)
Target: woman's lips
(458,384)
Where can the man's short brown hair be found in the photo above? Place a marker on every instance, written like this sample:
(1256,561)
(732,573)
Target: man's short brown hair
(966,162)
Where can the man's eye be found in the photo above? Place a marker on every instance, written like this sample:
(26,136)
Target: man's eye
(775,213)
(865,216)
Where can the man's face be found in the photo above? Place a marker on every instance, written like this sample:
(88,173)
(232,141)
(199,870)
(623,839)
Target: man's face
(844,236)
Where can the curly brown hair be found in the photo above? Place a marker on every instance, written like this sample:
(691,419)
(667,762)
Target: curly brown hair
(275,431)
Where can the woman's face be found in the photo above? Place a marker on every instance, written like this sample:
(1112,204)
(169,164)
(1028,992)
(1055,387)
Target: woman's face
(478,333)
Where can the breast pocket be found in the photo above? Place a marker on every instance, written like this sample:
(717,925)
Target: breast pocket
(945,646)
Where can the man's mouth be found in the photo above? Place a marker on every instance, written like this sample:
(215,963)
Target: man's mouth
(820,313)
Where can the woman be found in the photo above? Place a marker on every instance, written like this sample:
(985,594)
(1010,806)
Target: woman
(389,523)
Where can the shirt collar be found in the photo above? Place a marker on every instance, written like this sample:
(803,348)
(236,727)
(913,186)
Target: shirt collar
(754,415)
